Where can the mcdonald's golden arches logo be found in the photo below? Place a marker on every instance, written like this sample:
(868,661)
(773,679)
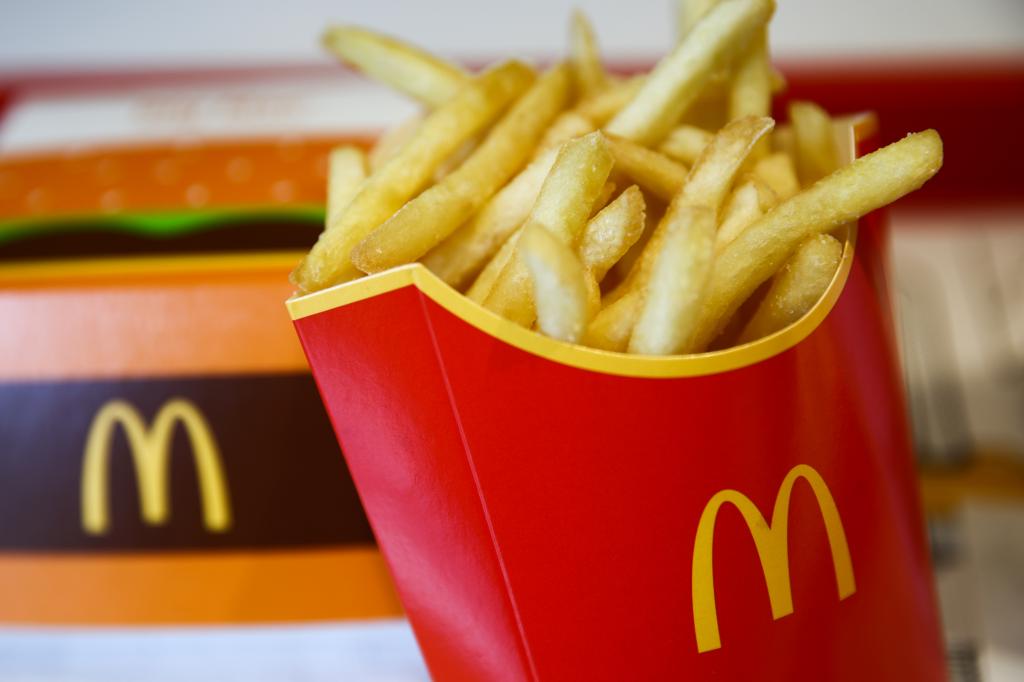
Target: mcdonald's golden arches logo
(150,449)
(772,543)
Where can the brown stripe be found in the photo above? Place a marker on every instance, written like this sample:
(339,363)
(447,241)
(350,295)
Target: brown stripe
(196,588)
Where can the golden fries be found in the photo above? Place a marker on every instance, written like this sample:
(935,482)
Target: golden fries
(685,143)
(457,259)
(408,69)
(677,80)
(559,284)
(778,173)
(346,172)
(798,286)
(675,290)
(384,192)
(428,219)
(655,172)
(611,232)
(563,208)
(816,152)
(587,71)
(847,194)
(506,188)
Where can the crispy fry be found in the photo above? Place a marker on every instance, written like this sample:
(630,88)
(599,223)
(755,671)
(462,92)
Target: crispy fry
(847,194)
(428,219)
(601,107)
(610,233)
(613,325)
(563,207)
(655,172)
(678,79)
(401,178)
(778,172)
(458,258)
(709,181)
(747,203)
(391,142)
(585,57)
(489,275)
(559,284)
(750,92)
(796,288)
(685,143)
(406,68)
(346,171)
(816,151)
(675,290)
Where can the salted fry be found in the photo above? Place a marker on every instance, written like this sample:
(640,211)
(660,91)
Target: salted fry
(602,107)
(428,219)
(346,171)
(653,171)
(613,325)
(563,208)
(458,258)
(679,276)
(750,92)
(746,204)
(610,233)
(846,195)
(484,282)
(816,151)
(405,68)
(400,179)
(779,173)
(709,181)
(585,58)
(688,13)
(685,143)
(796,288)
(678,79)
(559,284)
(391,142)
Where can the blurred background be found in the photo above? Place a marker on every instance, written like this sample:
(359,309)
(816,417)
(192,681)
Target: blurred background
(161,169)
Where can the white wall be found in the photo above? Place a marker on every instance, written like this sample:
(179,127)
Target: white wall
(86,33)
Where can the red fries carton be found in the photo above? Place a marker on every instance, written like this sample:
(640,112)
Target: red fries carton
(553,512)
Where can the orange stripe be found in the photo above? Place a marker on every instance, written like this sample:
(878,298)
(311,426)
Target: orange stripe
(168,318)
(195,588)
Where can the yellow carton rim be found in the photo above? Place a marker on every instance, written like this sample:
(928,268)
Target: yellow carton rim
(583,357)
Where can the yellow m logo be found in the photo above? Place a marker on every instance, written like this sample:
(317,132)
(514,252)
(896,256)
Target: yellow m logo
(772,542)
(151,449)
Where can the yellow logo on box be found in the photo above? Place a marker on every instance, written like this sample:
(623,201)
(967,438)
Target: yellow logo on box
(772,543)
(150,449)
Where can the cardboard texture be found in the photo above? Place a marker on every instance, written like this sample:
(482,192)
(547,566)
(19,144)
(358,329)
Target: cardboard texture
(552,512)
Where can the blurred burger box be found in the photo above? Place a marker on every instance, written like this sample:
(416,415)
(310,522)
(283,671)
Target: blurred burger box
(148,225)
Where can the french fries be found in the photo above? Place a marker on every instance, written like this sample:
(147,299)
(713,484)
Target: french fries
(408,69)
(653,171)
(675,290)
(428,219)
(847,194)
(508,188)
(588,72)
(563,208)
(559,284)
(796,288)
(677,80)
(329,261)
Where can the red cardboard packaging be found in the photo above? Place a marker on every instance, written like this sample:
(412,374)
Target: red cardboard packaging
(552,512)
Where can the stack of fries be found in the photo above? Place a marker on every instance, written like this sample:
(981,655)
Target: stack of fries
(656,214)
